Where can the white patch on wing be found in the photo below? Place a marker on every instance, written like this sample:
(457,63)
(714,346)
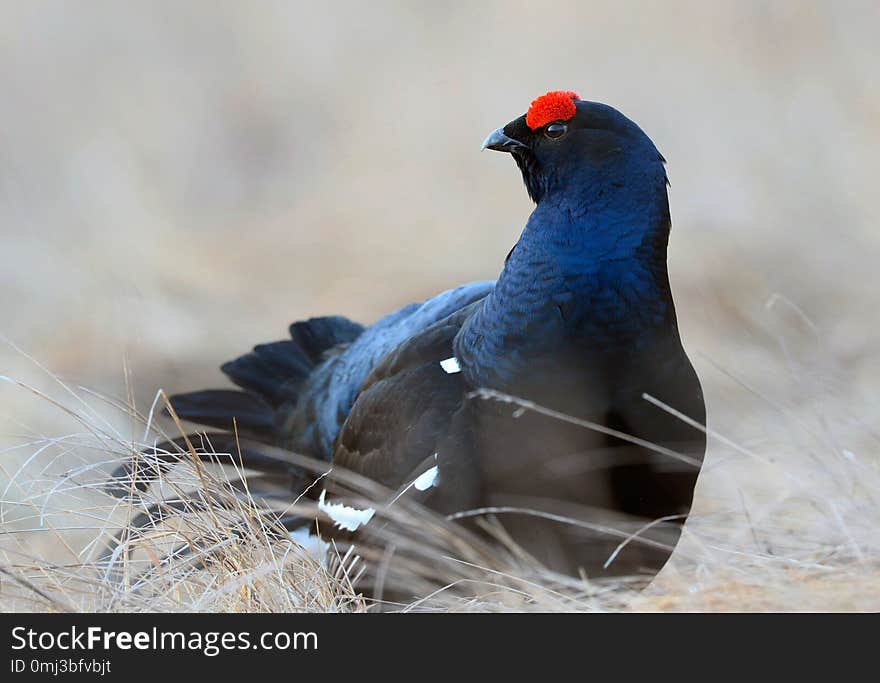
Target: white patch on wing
(345,517)
(450,365)
(427,479)
(314,546)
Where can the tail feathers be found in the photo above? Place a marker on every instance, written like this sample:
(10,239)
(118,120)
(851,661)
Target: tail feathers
(252,415)
(273,377)
(277,371)
(316,336)
(274,371)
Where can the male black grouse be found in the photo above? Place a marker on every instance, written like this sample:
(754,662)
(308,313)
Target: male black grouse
(581,322)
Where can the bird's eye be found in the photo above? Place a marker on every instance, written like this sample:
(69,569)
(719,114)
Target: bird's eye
(555,130)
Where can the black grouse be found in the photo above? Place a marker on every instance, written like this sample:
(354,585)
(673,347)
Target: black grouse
(580,323)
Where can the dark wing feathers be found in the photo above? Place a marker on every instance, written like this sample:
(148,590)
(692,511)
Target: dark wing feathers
(404,414)
(434,343)
(330,392)
(398,422)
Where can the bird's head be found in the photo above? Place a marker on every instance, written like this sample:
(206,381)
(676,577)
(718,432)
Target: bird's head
(565,144)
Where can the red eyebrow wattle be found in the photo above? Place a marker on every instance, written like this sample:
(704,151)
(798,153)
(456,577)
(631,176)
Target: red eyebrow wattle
(556,105)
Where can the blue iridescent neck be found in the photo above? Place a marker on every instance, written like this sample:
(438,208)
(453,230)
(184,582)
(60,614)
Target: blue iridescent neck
(589,271)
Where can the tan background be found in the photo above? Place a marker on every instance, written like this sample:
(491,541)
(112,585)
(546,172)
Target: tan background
(179,181)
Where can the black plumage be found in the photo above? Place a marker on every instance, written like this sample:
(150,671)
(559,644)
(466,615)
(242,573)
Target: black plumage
(581,323)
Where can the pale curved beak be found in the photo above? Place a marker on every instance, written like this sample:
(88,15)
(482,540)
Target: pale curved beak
(501,142)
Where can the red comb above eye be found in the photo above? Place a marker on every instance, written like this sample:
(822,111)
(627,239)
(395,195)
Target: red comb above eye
(556,105)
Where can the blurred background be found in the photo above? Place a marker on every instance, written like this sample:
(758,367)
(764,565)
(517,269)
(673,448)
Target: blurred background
(179,181)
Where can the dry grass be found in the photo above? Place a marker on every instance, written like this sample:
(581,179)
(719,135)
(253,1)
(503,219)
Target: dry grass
(784,523)
(200,540)
(197,544)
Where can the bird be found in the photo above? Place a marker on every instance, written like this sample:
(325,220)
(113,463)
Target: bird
(559,396)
